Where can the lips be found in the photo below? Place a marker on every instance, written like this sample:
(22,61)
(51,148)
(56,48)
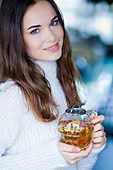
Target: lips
(52,48)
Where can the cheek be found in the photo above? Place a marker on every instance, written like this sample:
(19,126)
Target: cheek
(60,33)
(32,43)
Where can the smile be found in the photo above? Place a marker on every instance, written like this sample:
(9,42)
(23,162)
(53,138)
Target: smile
(52,48)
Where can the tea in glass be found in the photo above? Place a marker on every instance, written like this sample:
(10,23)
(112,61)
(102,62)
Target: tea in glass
(76,132)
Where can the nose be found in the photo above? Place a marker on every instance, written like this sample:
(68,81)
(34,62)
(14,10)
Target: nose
(49,35)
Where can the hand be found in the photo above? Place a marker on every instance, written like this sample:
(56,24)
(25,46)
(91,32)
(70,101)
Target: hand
(99,136)
(72,154)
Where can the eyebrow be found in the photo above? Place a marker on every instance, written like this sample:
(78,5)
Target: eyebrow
(35,26)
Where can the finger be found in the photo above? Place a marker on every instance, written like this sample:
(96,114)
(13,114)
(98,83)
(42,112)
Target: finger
(98,127)
(98,119)
(72,161)
(94,114)
(73,157)
(99,144)
(85,152)
(68,148)
(99,140)
(99,134)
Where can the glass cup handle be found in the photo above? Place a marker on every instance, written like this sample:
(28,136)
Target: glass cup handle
(89,112)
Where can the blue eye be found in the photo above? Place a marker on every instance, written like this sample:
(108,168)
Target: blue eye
(54,23)
(36,31)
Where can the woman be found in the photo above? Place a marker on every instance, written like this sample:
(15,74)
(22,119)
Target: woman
(37,83)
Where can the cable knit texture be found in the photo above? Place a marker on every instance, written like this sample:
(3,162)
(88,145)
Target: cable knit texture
(25,142)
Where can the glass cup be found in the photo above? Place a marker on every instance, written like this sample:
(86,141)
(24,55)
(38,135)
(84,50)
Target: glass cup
(75,127)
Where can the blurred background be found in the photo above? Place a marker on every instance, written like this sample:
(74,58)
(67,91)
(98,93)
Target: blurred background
(90,27)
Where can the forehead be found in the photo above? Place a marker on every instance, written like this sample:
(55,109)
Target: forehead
(39,13)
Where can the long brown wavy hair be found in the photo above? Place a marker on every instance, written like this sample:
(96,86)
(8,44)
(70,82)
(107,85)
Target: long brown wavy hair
(19,67)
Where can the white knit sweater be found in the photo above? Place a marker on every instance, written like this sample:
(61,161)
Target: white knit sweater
(25,142)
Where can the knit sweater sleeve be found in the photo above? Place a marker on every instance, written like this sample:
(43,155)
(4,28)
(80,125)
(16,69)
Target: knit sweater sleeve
(9,116)
(38,157)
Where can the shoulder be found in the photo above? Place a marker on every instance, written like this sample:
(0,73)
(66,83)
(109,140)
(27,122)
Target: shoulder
(11,96)
(7,85)
(9,88)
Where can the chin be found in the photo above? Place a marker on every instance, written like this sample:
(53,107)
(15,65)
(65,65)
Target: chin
(57,57)
(53,57)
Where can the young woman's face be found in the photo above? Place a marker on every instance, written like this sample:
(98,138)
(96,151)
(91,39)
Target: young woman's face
(42,32)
